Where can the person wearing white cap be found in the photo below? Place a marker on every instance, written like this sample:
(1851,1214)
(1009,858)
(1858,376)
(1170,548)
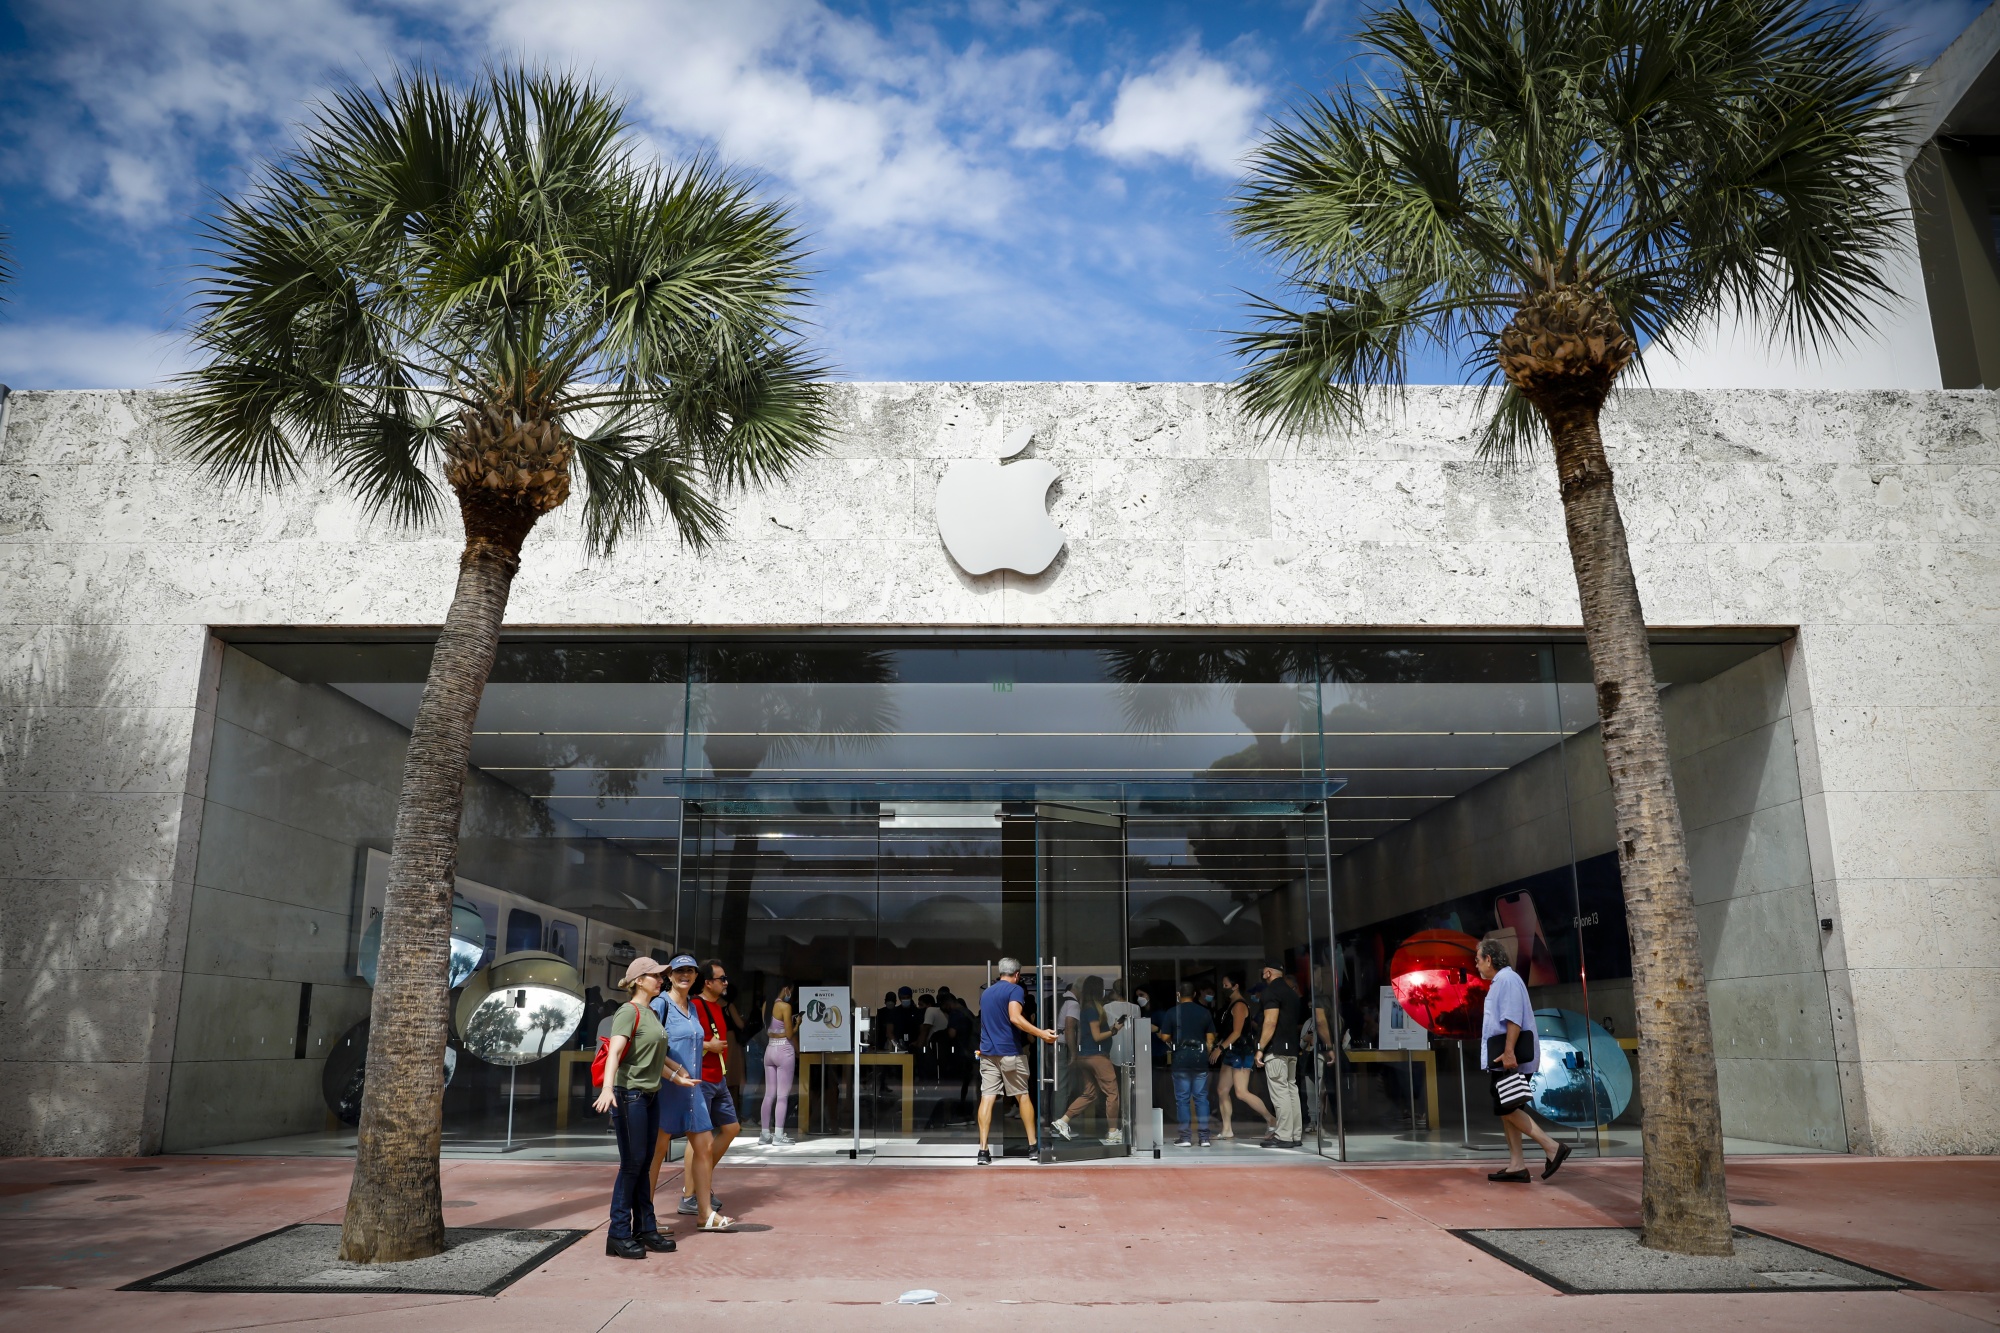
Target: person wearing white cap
(635,1060)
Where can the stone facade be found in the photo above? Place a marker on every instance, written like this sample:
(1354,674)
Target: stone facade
(1867,522)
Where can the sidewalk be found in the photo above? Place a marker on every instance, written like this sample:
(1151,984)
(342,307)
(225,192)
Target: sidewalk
(1135,1246)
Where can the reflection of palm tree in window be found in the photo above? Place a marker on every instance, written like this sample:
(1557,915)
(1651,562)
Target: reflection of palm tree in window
(1270,690)
(617,769)
(495,1032)
(545,1020)
(758,710)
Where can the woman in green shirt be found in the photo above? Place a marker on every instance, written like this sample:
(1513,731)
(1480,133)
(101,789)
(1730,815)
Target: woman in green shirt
(634,1063)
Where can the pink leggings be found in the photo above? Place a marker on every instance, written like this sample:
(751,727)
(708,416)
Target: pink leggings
(780,1062)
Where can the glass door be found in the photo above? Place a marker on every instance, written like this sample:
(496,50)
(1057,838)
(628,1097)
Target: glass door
(1083,1098)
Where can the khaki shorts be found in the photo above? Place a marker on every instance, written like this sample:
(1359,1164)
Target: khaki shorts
(1003,1073)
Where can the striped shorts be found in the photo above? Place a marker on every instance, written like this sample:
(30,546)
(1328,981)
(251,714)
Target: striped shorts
(1510,1090)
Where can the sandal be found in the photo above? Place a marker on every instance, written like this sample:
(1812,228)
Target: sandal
(717,1222)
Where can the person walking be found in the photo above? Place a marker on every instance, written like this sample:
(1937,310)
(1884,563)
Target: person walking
(684,1109)
(1237,1054)
(1278,1056)
(1508,1045)
(634,1062)
(1189,1030)
(1094,1031)
(1002,1066)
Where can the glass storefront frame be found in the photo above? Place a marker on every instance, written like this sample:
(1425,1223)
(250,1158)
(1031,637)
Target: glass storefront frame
(844,749)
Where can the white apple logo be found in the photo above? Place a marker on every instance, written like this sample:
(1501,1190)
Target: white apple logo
(996,517)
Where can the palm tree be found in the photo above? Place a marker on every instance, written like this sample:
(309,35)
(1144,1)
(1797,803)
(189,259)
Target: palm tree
(487,294)
(1538,186)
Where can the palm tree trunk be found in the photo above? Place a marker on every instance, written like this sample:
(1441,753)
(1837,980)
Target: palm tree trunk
(1683,1207)
(395,1207)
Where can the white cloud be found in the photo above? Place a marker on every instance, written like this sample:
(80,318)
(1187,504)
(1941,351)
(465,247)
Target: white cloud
(1189,107)
(870,133)
(67,354)
(150,85)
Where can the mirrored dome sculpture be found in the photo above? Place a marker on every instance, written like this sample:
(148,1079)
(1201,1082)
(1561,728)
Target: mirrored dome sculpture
(1583,1077)
(1438,984)
(521,1009)
(344,1076)
(468,944)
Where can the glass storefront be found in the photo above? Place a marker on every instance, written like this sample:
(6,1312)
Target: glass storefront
(876,822)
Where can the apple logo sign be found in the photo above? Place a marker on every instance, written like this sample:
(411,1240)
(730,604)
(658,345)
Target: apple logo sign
(994,515)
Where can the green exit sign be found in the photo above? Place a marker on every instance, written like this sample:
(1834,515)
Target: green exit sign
(1003,687)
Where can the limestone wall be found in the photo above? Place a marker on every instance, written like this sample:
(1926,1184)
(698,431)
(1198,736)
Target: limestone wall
(1866,520)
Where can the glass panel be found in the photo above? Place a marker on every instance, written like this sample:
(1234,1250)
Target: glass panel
(1729,731)
(1451,826)
(1215,893)
(1002,722)
(524,930)
(1084,1090)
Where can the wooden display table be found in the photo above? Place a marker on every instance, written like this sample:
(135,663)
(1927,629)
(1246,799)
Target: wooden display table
(1428,1059)
(903,1060)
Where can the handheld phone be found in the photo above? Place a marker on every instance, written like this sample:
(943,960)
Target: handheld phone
(1517,911)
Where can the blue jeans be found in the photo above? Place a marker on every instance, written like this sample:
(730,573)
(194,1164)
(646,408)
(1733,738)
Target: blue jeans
(1191,1083)
(635,1119)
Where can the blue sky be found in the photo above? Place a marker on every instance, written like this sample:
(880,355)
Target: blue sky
(995,189)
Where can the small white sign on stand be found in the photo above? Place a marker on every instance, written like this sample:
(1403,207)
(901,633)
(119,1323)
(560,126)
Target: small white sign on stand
(1397,1031)
(826,1019)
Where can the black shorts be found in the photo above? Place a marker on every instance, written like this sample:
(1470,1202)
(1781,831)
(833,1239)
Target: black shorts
(1511,1090)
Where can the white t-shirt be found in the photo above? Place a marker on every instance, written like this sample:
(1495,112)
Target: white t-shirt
(1071,1011)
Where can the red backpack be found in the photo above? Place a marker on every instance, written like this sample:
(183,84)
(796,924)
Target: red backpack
(603,1056)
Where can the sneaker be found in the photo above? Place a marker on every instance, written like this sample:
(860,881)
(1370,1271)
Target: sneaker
(1270,1141)
(1114,1137)
(714,1204)
(782,1140)
(763,1139)
(985,1157)
(1183,1141)
(1061,1126)
(1207,1142)
(689,1208)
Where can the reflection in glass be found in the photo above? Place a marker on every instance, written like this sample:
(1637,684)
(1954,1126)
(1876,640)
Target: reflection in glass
(468,944)
(1583,1079)
(521,1009)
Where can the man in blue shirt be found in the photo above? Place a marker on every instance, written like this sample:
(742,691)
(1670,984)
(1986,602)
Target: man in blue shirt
(1002,1067)
(1507,1044)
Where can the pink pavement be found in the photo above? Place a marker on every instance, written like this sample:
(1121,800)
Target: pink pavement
(1139,1246)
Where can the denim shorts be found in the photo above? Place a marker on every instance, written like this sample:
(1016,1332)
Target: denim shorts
(721,1106)
(1235,1061)
(683,1111)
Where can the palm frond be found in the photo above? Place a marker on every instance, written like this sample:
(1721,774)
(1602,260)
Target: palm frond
(1683,157)
(431,246)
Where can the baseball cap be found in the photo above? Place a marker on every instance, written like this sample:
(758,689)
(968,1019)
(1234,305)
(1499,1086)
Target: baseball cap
(641,966)
(681,960)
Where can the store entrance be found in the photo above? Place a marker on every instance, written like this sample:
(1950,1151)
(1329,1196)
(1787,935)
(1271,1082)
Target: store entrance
(906,908)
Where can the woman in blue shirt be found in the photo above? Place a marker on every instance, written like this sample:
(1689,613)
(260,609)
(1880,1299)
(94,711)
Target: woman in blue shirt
(683,1110)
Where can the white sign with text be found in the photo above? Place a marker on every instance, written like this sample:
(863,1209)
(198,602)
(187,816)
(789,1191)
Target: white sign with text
(1397,1031)
(826,1019)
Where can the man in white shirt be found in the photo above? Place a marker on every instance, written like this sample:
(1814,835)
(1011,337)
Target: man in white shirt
(1507,1043)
